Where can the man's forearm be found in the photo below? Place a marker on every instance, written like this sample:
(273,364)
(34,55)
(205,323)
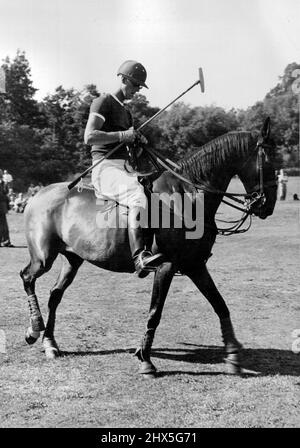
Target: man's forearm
(97,137)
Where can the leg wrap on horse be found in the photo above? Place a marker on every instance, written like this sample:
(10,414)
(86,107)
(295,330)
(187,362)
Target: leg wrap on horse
(36,319)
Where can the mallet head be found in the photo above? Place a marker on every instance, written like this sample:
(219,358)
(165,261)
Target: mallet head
(201,79)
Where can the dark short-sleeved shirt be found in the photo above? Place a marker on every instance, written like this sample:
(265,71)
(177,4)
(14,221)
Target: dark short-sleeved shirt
(116,117)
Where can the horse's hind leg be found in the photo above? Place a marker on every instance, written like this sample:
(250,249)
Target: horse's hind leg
(207,287)
(71,264)
(162,280)
(29,274)
(43,252)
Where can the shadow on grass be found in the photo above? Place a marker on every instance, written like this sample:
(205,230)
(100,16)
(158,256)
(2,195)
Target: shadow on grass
(97,352)
(14,247)
(261,361)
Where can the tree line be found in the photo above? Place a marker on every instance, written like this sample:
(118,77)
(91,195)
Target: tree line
(42,141)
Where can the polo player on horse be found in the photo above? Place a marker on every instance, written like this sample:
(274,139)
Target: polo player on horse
(110,122)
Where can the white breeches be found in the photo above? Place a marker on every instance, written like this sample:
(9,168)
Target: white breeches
(112,181)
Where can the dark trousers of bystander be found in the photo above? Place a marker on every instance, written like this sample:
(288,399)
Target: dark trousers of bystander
(4,232)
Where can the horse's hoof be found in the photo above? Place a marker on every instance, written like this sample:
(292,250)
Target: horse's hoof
(233,369)
(31,336)
(52,353)
(147,369)
(51,348)
(233,364)
(149,376)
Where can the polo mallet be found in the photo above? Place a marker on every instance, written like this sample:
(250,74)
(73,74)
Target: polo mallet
(199,81)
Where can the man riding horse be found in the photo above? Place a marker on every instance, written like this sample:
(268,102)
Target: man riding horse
(109,123)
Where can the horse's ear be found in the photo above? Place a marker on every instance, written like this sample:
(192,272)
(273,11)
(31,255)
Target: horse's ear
(265,132)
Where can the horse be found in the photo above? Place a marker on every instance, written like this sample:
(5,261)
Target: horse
(60,221)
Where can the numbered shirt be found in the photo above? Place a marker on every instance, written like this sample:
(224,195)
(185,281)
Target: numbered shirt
(116,117)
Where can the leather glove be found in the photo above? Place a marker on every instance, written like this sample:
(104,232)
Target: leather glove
(140,138)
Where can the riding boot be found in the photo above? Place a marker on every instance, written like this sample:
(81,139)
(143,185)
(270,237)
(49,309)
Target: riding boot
(144,261)
(148,238)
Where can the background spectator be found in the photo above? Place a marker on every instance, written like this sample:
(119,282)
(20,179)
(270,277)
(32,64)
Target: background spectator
(38,187)
(4,232)
(31,190)
(20,203)
(11,197)
(282,184)
(7,178)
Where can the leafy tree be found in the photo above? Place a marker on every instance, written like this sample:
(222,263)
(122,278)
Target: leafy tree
(282,105)
(19,104)
(81,113)
(19,149)
(141,110)
(66,112)
(177,130)
(183,128)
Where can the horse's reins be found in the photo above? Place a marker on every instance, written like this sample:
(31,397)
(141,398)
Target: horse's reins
(249,198)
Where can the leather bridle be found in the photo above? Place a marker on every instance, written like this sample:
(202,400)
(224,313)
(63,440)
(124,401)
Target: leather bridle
(256,197)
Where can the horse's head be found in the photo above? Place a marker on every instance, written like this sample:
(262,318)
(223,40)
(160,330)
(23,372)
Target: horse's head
(258,174)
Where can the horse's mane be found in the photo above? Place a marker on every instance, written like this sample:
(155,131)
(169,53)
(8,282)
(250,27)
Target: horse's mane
(221,151)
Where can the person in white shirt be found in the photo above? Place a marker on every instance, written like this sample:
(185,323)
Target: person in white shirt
(7,178)
(282,184)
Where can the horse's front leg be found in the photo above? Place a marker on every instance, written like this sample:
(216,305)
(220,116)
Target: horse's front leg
(162,280)
(207,287)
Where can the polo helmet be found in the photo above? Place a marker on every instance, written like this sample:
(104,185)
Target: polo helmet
(134,71)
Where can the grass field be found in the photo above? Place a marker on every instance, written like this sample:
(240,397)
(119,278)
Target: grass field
(102,319)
